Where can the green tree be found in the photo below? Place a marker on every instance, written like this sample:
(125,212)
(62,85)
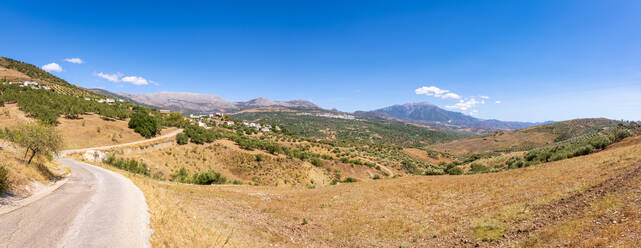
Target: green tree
(144,124)
(38,139)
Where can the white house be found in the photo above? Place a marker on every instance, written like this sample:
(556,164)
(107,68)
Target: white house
(201,124)
(87,99)
(229,123)
(110,100)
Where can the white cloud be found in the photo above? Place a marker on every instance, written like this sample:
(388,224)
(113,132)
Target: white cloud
(118,77)
(111,77)
(485,97)
(498,102)
(52,67)
(451,96)
(74,60)
(436,92)
(465,105)
(135,80)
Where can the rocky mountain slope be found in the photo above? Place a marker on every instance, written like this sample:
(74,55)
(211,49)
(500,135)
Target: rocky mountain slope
(423,112)
(193,102)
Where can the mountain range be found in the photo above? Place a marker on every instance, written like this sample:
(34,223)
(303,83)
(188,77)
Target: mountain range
(424,112)
(418,113)
(193,102)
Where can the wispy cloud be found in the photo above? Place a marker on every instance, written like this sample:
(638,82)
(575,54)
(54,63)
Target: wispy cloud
(135,80)
(464,105)
(436,92)
(497,102)
(119,77)
(75,60)
(485,97)
(52,67)
(110,77)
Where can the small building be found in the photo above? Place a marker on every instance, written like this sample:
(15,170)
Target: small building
(109,100)
(229,123)
(164,111)
(264,129)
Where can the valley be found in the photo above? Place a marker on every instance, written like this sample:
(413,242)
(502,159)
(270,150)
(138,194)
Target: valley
(265,173)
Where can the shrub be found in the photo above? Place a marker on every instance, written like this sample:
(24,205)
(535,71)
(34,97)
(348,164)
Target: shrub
(376,177)
(182,139)
(209,177)
(479,168)
(4,180)
(515,162)
(455,171)
(259,157)
(317,162)
(181,176)
(620,134)
(350,180)
(130,165)
(434,171)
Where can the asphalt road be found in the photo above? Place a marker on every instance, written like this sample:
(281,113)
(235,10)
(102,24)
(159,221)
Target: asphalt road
(95,208)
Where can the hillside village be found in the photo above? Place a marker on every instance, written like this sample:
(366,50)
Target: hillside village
(220,120)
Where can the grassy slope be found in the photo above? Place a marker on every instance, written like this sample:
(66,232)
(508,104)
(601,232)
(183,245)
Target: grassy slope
(410,211)
(524,139)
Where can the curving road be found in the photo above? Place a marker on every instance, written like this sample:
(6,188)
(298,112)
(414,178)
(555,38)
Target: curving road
(95,208)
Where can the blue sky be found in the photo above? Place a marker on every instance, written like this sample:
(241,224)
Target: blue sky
(542,60)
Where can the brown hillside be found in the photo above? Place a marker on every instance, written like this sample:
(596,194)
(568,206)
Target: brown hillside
(417,211)
(524,139)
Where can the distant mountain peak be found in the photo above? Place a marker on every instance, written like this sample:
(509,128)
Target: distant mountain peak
(196,102)
(425,112)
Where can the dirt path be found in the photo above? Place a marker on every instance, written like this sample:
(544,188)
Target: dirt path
(168,135)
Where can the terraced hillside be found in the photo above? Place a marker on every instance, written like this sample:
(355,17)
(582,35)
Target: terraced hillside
(16,71)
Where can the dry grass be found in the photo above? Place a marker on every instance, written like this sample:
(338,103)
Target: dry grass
(90,131)
(425,156)
(410,211)
(499,141)
(11,115)
(249,167)
(93,131)
(22,175)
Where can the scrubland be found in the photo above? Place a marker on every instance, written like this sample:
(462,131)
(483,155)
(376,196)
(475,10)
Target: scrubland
(589,200)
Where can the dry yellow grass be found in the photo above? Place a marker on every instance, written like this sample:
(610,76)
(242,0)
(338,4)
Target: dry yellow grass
(227,158)
(93,131)
(11,115)
(412,211)
(22,175)
(499,141)
(425,156)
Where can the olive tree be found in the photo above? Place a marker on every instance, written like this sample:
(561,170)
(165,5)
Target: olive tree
(38,139)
